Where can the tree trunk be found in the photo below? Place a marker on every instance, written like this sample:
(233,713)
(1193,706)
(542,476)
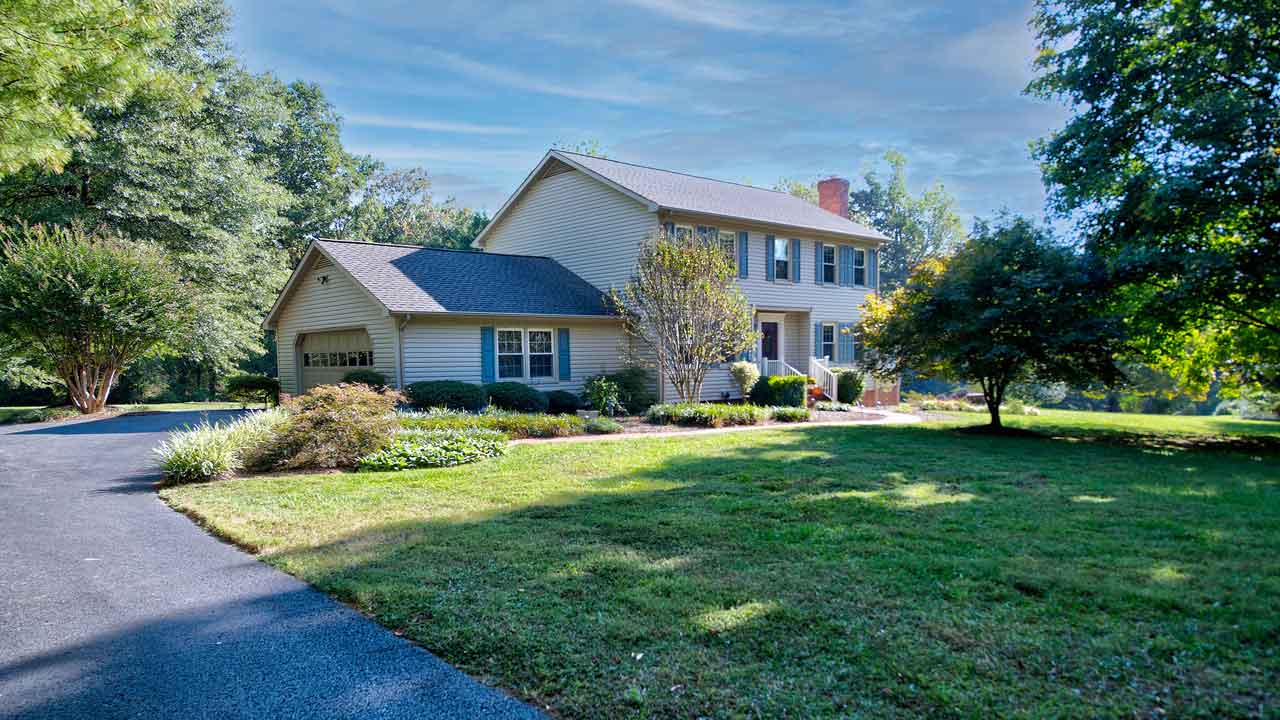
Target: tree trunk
(993,395)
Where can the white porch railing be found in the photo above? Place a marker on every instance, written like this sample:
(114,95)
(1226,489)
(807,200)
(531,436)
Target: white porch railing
(823,376)
(769,368)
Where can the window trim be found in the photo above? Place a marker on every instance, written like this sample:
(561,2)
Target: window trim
(528,355)
(688,228)
(834,266)
(498,354)
(859,253)
(732,247)
(526,368)
(823,341)
(785,272)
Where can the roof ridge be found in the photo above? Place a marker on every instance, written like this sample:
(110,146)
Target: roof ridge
(437,249)
(677,172)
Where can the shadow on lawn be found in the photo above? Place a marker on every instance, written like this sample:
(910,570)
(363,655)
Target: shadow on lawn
(887,562)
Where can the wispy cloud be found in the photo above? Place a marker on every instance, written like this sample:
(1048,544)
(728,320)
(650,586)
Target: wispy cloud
(389,121)
(787,18)
(637,92)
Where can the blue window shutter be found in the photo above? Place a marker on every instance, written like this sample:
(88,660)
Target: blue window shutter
(795,261)
(844,265)
(817,263)
(769,266)
(743,246)
(702,232)
(562,344)
(669,228)
(817,339)
(873,270)
(487,357)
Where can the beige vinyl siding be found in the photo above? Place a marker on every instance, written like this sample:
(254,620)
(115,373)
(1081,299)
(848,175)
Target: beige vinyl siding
(338,304)
(587,226)
(444,348)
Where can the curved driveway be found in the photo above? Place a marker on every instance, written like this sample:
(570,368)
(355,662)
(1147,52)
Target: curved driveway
(114,606)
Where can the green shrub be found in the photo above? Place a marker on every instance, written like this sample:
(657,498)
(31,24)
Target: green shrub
(828,406)
(604,395)
(253,389)
(45,414)
(209,452)
(635,388)
(417,448)
(517,397)
(706,414)
(780,390)
(451,394)
(788,413)
(562,402)
(334,426)
(365,376)
(849,385)
(603,426)
(516,425)
(746,374)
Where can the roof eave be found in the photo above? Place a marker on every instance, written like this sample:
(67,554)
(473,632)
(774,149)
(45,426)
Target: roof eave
(879,240)
(472,313)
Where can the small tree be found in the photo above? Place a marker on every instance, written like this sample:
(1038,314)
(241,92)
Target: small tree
(682,302)
(1010,305)
(745,373)
(87,305)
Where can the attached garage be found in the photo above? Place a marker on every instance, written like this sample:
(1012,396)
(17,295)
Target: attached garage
(324,357)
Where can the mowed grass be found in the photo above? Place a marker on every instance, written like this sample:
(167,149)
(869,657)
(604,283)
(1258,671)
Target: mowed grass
(11,413)
(814,572)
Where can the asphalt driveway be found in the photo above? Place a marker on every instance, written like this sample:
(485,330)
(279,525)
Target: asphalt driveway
(114,606)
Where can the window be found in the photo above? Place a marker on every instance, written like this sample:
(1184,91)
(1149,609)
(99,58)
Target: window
(781,266)
(351,358)
(729,242)
(859,266)
(510,353)
(541,347)
(829,264)
(684,232)
(829,341)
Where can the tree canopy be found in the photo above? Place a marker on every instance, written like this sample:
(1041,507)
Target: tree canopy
(1170,166)
(87,305)
(60,60)
(683,304)
(918,227)
(1010,305)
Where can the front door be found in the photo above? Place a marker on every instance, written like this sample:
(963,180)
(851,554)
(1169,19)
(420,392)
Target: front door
(769,340)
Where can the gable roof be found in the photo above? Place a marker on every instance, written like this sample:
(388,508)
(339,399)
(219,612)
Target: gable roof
(411,279)
(667,190)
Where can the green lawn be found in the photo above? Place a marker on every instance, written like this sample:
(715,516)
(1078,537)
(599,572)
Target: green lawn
(182,406)
(815,571)
(14,412)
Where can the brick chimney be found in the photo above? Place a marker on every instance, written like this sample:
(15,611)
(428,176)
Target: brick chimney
(833,196)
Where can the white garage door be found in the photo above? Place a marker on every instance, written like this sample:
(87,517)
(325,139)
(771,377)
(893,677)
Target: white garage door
(327,356)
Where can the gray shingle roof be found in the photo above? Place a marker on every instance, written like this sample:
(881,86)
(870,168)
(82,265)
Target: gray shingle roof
(677,191)
(413,279)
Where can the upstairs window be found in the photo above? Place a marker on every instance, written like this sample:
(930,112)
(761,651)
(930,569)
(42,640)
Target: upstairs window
(541,354)
(510,354)
(829,264)
(781,260)
(860,267)
(729,243)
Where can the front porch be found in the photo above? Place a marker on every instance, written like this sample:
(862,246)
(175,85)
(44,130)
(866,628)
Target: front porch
(793,342)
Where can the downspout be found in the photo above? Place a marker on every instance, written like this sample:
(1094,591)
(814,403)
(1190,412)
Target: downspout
(404,322)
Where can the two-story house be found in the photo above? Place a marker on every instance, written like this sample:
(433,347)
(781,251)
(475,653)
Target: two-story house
(529,306)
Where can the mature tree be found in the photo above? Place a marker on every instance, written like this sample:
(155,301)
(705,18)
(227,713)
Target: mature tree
(918,227)
(1170,163)
(88,305)
(59,60)
(683,303)
(1008,306)
(397,207)
(189,173)
(320,176)
(806,191)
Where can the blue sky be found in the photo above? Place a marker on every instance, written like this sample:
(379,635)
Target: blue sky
(747,91)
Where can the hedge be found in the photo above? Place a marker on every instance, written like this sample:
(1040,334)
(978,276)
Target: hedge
(780,390)
(452,394)
(849,386)
(516,396)
(562,402)
(253,388)
(706,414)
(365,376)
